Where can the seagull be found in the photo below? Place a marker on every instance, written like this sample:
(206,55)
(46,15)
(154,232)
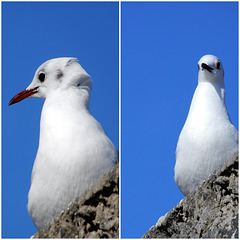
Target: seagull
(208,138)
(74,151)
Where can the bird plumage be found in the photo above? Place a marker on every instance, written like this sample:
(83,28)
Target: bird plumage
(208,138)
(74,150)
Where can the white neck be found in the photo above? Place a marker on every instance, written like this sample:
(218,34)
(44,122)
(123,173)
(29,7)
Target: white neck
(64,109)
(219,87)
(69,98)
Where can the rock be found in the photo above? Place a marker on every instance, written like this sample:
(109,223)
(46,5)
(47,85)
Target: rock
(211,211)
(94,215)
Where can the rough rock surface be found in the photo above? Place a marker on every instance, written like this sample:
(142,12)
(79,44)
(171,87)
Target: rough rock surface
(211,211)
(93,215)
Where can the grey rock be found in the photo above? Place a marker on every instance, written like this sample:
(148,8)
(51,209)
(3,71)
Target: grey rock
(93,215)
(211,211)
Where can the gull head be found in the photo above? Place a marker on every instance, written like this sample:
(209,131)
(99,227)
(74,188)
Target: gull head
(210,69)
(57,73)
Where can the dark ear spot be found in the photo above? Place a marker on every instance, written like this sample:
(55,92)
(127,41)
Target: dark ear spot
(59,74)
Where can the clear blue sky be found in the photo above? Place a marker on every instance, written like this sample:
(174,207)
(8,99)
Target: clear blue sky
(31,34)
(161,45)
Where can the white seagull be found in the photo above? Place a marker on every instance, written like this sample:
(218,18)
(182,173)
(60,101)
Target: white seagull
(74,151)
(208,138)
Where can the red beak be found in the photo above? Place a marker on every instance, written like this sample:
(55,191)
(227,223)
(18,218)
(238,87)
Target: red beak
(22,95)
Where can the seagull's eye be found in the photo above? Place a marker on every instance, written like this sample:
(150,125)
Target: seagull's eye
(41,76)
(218,65)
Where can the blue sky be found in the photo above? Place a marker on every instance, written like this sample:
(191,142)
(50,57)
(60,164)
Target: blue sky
(31,34)
(161,46)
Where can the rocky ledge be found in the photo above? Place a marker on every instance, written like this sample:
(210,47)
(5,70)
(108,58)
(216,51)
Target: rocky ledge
(94,215)
(211,211)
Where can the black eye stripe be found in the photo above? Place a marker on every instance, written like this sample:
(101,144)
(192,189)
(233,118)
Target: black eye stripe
(41,76)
